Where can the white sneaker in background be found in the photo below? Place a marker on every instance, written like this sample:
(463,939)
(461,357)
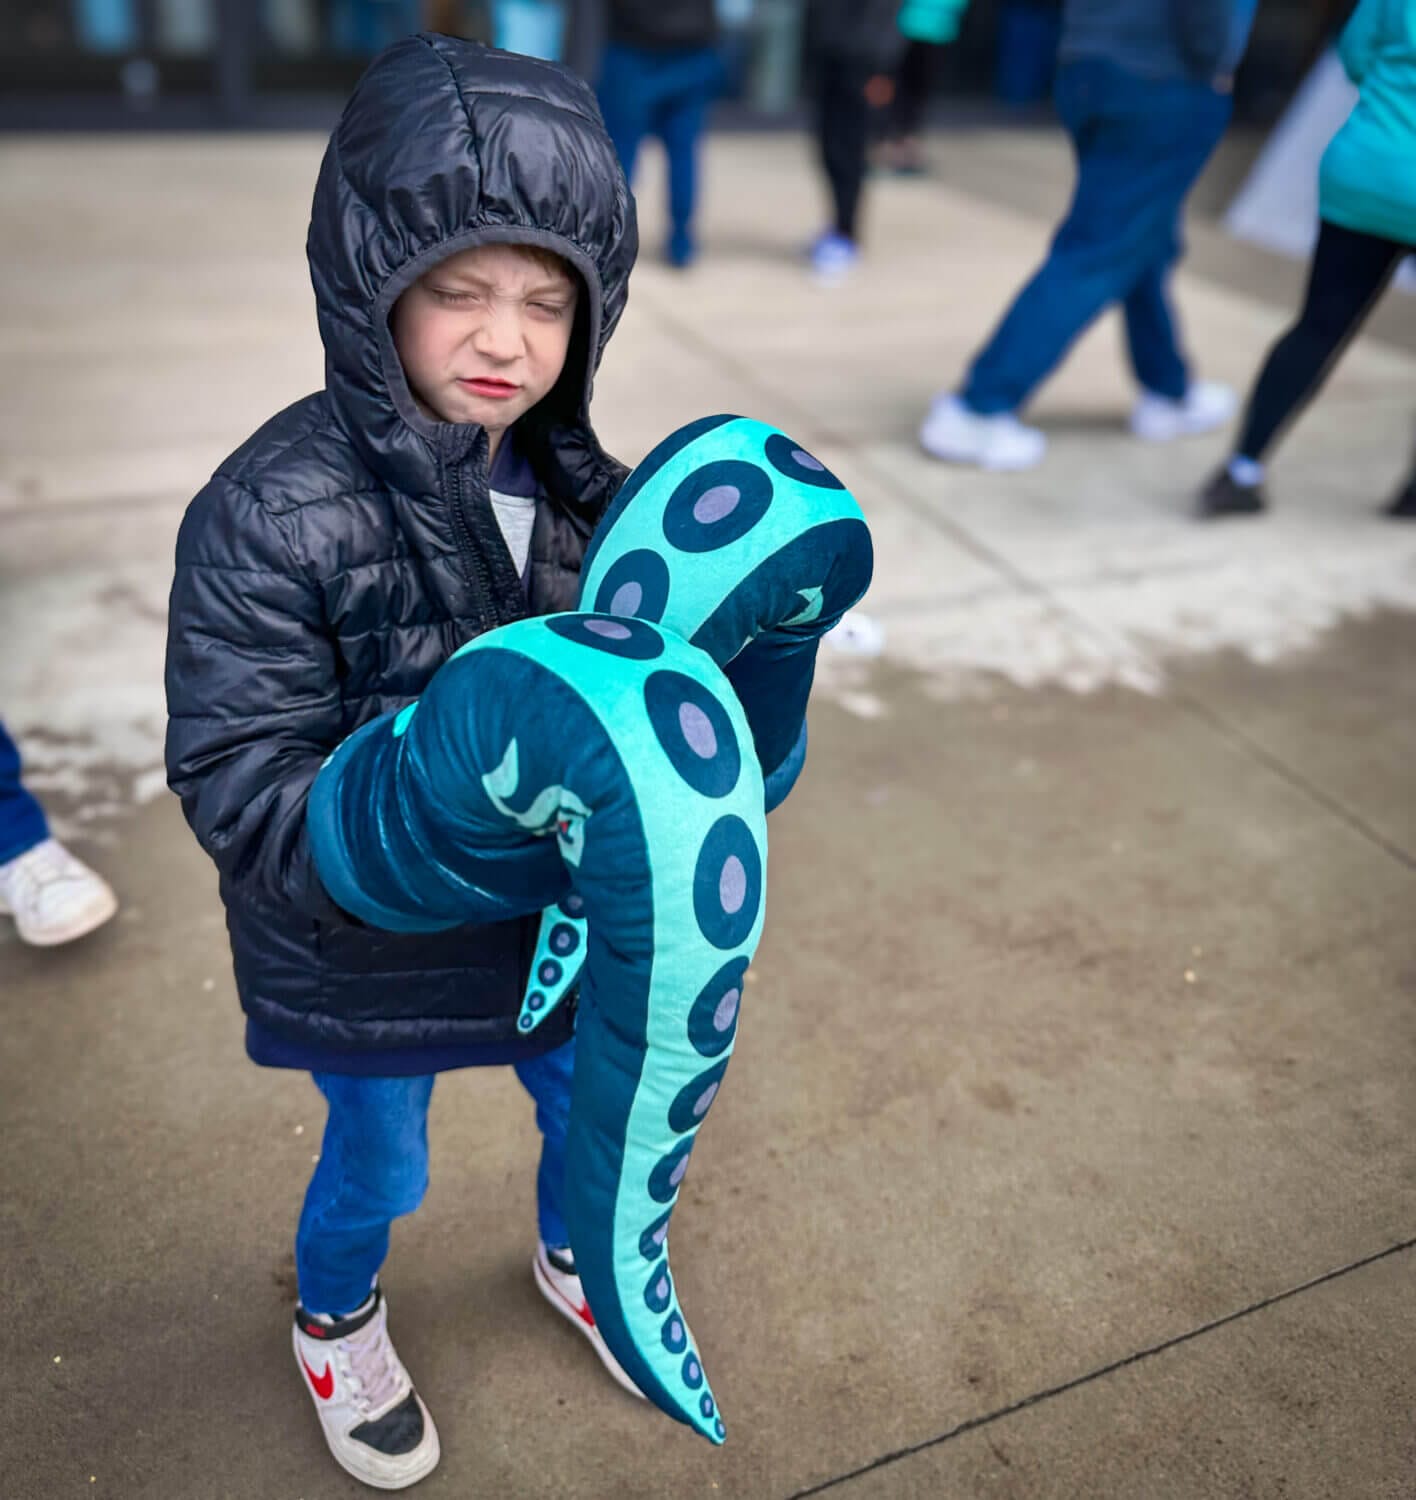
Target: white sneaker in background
(374,1421)
(554,1271)
(53,897)
(960,436)
(856,634)
(1205,406)
(833,258)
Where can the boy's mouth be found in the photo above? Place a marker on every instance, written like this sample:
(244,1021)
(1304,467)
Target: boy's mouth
(493,389)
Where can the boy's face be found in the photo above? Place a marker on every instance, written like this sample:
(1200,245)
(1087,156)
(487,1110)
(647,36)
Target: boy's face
(483,335)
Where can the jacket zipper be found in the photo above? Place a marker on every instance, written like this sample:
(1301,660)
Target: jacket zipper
(474,565)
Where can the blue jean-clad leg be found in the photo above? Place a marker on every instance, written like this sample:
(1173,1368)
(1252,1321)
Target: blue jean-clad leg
(547,1079)
(679,120)
(1151,340)
(373,1168)
(22,823)
(1198,119)
(1084,271)
(625,102)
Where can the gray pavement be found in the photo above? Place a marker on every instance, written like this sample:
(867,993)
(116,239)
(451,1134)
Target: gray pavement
(1068,1147)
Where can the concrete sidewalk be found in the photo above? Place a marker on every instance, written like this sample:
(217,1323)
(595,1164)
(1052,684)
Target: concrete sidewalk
(1068,1148)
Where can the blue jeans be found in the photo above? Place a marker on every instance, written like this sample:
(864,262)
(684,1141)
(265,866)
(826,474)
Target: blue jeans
(22,823)
(663,93)
(373,1168)
(1140,145)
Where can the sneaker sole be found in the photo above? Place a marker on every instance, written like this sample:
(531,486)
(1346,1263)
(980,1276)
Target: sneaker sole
(376,1480)
(1229,512)
(978,461)
(591,1336)
(1166,431)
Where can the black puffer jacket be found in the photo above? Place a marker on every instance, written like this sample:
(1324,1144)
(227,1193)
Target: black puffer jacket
(346,550)
(663,23)
(862,31)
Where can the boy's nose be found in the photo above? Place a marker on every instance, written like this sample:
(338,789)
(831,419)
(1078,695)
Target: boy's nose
(499,335)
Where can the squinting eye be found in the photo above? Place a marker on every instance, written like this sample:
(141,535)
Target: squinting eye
(456,299)
(551,309)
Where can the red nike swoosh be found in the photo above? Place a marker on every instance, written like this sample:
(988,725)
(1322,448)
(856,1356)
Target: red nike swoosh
(323,1384)
(582,1312)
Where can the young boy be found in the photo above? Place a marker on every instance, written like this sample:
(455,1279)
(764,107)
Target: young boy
(470,245)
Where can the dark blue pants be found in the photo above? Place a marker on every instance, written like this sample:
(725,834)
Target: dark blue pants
(22,823)
(1140,145)
(664,93)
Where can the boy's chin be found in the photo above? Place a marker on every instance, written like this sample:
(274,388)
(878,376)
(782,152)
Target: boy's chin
(495,416)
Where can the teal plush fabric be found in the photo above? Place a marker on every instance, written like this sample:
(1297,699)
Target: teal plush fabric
(931,20)
(606,768)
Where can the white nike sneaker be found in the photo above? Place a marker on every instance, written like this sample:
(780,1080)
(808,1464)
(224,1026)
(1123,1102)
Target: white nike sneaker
(856,634)
(374,1421)
(1206,405)
(53,897)
(960,436)
(554,1271)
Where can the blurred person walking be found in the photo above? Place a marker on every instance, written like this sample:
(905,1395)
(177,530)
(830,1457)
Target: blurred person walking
(659,74)
(1144,89)
(927,26)
(1367,224)
(53,897)
(854,47)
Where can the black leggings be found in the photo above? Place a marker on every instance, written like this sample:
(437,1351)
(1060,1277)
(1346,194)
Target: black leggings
(914,84)
(1349,273)
(841,124)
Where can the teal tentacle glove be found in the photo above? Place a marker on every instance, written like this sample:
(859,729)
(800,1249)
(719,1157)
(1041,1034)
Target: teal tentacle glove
(606,769)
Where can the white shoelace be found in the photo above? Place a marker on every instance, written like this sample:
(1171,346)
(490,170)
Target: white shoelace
(373,1370)
(36,872)
(47,862)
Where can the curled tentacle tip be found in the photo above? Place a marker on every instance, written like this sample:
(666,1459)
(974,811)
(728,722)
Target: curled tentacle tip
(707,1419)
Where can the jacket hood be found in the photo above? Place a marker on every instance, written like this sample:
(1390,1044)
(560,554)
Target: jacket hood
(445,144)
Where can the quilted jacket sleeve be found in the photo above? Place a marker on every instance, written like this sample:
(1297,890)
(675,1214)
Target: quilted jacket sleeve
(252,696)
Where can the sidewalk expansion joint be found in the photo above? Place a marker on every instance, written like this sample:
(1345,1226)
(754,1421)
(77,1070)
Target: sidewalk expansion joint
(1187,701)
(1295,779)
(973,1424)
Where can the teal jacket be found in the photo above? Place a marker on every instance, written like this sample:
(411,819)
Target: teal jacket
(1368,176)
(931,20)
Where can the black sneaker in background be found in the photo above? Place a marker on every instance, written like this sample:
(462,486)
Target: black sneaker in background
(1225,496)
(1403,507)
